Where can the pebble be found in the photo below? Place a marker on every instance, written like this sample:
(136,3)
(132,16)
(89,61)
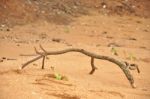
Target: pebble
(1,60)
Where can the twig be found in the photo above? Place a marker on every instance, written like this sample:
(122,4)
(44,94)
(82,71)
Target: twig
(11,59)
(43,49)
(93,66)
(34,59)
(43,61)
(28,54)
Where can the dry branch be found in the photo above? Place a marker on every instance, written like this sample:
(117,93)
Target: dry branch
(125,66)
(93,66)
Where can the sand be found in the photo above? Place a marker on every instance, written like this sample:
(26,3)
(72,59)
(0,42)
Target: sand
(129,34)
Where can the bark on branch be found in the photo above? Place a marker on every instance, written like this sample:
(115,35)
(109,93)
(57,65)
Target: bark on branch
(124,66)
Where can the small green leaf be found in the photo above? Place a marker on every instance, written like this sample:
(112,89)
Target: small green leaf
(132,57)
(66,30)
(58,76)
(114,51)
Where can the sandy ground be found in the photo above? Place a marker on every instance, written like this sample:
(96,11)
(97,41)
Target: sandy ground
(94,33)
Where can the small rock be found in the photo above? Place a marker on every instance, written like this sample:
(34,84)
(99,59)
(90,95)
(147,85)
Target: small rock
(103,5)
(143,47)
(138,22)
(3,58)
(56,40)
(37,40)
(145,30)
(8,29)
(104,32)
(131,38)
(2,25)
(18,44)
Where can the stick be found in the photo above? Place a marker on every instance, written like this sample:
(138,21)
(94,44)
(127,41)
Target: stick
(43,62)
(121,64)
(93,66)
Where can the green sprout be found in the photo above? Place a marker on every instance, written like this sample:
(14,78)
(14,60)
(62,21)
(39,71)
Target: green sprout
(66,29)
(114,51)
(58,76)
(131,57)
